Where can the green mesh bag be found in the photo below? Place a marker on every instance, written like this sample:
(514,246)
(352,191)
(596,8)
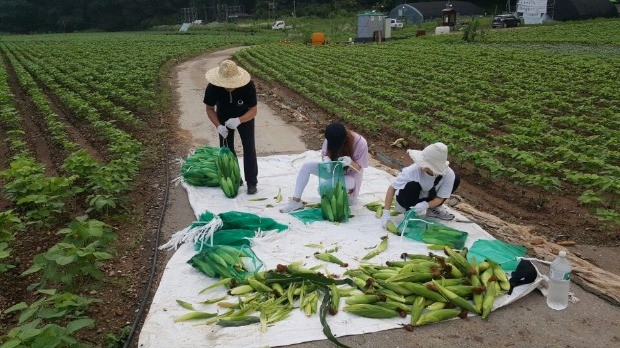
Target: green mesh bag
(237,228)
(505,254)
(333,190)
(431,232)
(200,168)
(226,261)
(229,173)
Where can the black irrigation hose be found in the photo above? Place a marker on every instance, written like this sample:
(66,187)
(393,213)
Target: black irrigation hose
(147,289)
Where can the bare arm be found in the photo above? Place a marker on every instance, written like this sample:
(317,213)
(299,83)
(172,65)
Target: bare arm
(249,115)
(356,166)
(212,115)
(389,196)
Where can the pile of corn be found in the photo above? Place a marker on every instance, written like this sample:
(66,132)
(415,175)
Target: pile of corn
(428,288)
(221,261)
(200,168)
(335,203)
(229,173)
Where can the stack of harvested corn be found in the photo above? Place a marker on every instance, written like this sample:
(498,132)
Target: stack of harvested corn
(429,288)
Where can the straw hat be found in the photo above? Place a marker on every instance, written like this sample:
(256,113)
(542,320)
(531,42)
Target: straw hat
(434,157)
(228,75)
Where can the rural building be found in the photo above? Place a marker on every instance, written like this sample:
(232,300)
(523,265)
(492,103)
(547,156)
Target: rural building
(372,26)
(421,11)
(539,11)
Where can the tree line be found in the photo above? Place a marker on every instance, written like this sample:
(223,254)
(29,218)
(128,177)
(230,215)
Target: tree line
(42,16)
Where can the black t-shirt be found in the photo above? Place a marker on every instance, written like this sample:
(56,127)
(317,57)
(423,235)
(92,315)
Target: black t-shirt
(230,104)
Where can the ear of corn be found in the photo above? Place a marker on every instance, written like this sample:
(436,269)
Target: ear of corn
(370,311)
(361,299)
(380,248)
(241,289)
(436,305)
(392,228)
(335,299)
(487,301)
(421,290)
(475,282)
(437,316)
(194,316)
(258,286)
(417,308)
(330,258)
(455,299)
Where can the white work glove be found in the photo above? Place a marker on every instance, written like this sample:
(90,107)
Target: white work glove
(223,131)
(385,217)
(233,123)
(420,207)
(346,161)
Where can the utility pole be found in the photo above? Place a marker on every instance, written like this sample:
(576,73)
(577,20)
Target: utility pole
(294,10)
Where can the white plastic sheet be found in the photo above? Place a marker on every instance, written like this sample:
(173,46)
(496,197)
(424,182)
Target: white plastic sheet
(355,238)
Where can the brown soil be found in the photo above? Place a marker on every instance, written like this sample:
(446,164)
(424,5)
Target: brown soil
(121,289)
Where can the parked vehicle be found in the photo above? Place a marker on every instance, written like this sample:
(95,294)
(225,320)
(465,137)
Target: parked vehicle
(395,23)
(278,25)
(505,21)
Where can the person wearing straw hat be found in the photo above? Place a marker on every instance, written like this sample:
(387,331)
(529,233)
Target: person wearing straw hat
(231,103)
(424,185)
(340,144)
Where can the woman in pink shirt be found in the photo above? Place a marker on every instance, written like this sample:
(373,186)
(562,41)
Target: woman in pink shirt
(342,145)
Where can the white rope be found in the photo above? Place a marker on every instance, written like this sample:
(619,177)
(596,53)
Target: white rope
(199,234)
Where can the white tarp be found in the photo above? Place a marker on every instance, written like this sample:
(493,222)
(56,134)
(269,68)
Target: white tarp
(355,238)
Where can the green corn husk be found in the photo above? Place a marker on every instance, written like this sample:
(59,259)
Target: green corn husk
(455,299)
(370,311)
(416,309)
(437,316)
(194,316)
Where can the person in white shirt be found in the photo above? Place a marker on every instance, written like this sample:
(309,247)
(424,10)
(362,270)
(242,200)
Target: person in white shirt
(424,185)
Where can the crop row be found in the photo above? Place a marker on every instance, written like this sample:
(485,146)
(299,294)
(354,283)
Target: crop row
(540,118)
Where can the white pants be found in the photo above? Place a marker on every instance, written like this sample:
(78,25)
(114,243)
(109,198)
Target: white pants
(312,168)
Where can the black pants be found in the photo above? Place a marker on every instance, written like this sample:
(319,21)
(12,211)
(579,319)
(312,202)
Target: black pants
(246,133)
(409,196)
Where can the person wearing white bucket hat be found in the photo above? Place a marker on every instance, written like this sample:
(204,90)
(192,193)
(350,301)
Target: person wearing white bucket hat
(231,103)
(424,185)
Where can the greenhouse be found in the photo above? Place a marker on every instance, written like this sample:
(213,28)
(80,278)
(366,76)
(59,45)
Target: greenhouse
(421,11)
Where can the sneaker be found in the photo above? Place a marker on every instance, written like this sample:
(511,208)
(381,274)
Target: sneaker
(252,189)
(292,206)
(440,213)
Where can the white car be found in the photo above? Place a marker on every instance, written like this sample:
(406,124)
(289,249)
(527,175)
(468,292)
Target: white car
(278,25)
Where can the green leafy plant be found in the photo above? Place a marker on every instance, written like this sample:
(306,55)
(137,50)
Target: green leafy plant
(40,197)
(78,257)
(9,224)
(5,252)
(117,340)
(49,322)
(474,31)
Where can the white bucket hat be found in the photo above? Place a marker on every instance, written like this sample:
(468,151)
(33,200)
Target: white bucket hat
(434,157)
(228,75)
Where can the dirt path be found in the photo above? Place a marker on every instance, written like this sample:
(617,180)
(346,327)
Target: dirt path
(526,323)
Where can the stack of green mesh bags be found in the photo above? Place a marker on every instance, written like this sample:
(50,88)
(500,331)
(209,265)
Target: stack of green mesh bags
(200,168)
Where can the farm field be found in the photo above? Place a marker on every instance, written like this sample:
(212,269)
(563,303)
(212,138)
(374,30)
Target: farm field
(86,119)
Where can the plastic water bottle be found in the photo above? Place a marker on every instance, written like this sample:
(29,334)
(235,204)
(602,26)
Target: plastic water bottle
(559,282)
